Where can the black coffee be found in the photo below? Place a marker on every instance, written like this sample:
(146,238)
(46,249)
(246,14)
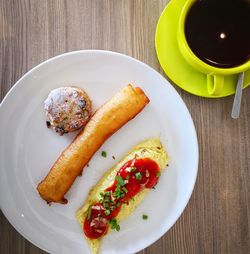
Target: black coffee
(218,31)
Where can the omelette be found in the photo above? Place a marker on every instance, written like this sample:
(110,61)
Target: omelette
(120,191)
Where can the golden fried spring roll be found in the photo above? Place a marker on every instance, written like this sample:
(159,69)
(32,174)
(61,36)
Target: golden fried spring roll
(109,118)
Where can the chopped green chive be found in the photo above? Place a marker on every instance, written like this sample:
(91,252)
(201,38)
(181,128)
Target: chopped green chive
(89,212)
(118,204)
(138,176)
(133,169)
(153,187)
(127,177)
(107,212)
(118,192)
(102,196)
(107,199)
(158,174)
(106,205)
(114,224)
(104,154)
(124,189)
(144,217)
(120,181)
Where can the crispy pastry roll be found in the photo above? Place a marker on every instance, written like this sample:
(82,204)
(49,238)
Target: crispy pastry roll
(120,191)
(109,118)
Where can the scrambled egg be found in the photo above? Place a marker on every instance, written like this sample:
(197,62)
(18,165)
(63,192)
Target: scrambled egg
(151,148)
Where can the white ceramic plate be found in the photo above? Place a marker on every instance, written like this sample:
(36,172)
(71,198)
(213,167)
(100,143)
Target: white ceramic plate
(28,149)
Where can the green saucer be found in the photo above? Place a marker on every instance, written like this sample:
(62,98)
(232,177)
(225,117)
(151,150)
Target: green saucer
(173,63)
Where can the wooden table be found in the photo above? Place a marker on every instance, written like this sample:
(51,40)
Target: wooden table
(217,218)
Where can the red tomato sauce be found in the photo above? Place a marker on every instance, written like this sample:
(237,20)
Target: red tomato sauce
(133,177)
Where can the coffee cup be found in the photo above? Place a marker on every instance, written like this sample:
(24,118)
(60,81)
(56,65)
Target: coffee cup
(215,74)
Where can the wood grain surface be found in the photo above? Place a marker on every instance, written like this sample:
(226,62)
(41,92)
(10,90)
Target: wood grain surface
(217,218)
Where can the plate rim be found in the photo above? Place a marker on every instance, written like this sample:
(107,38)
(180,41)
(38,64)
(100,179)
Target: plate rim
(196,145)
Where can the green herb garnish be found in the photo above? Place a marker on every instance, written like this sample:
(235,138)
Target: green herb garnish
(114,224)
(120,181)
(102,196)
(107,200)
(138,176)
(133,169)
(118,192)
(107,212)
(144,217)
(106,205)
(104,154)
(124,189)
(158,174)
(105,197)
(107,193)
(111,202)
(89,212)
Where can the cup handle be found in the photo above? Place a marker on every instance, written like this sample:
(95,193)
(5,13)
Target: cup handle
(215,84)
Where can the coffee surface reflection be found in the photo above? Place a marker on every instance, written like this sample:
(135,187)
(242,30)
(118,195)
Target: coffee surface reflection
(218,31)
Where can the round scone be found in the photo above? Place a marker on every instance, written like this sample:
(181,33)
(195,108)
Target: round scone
(67,109)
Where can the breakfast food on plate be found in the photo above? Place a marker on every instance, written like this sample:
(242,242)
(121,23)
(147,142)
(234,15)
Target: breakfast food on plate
(120,191)
(67,109)
(110,117)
